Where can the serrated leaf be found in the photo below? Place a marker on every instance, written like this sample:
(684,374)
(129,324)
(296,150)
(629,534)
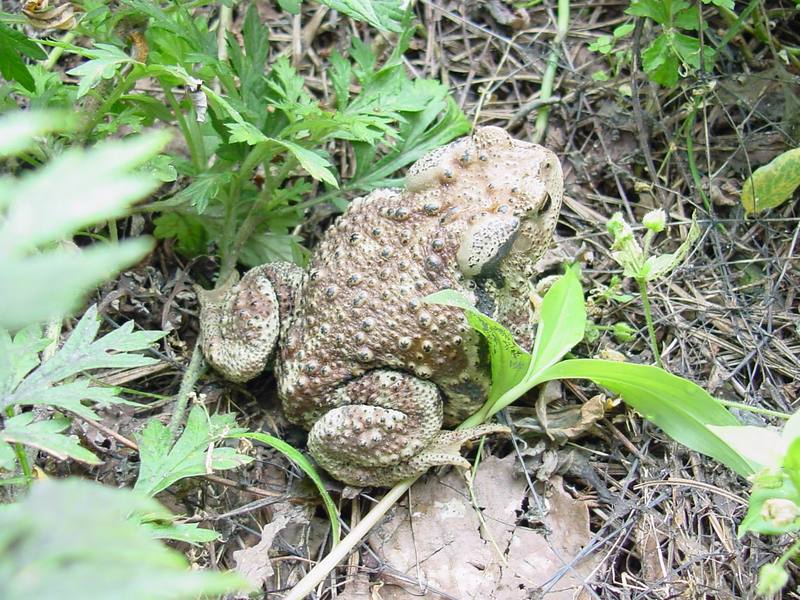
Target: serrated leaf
(74,539)
(660,63)
(316,166)
(45,436)
(48,204)
(245,132)
(12,44)
(54,283)
(80,353)
(381,14)
(20,355)
(653,9)
(187,230)
(18,129)
(772,184)
(193,454)
(105,61)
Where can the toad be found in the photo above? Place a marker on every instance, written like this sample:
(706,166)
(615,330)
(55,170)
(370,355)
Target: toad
(361,360)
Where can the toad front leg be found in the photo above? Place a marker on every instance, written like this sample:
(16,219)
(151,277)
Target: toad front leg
(387,426)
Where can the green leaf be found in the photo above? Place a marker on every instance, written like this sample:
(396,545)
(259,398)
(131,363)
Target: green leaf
(74,539)
(12,44)
(341,74)
(656,267)
(105,61)
(191,533)
(772,184)
(187,230)
(761,446)
(8,459)
(660,63)
(193,454)
(18,129)
(769,486)
(290,6)
(653,9)
(245,132)
(20,355)
(381,14)
(313,163)
(81,352)
(45,436)
(54,283)
(562,322)
(303,463)
(48,204)
(682,409)
(509,362)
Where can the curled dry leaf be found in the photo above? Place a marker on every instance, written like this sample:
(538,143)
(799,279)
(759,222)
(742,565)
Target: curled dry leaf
(42,16)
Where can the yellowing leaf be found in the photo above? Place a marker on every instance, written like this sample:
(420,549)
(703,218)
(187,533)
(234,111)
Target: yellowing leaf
(772,184)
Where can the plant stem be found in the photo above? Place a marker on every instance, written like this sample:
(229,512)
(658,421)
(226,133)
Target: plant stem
(58,51)
(546,91)
(789,554)
(193,372)
(648,317)
(19,450)
(306,585)
(753,409)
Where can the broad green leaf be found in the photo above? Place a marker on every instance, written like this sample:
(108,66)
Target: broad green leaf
(12,44)
(562,322)
(762,446)
(193,454)
(791,462)
(303,463)
(8,459)
(772,184)
(653,9)
(75,539)
(509,362)
(45,436)
(290,6)
(682,409)
(104,63)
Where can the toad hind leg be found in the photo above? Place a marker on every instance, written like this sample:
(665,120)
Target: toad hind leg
(387,426)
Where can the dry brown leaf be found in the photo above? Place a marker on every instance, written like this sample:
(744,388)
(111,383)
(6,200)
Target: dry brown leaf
(457,557)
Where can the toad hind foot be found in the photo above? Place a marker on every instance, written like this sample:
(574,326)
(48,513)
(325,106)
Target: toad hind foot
(387,426)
